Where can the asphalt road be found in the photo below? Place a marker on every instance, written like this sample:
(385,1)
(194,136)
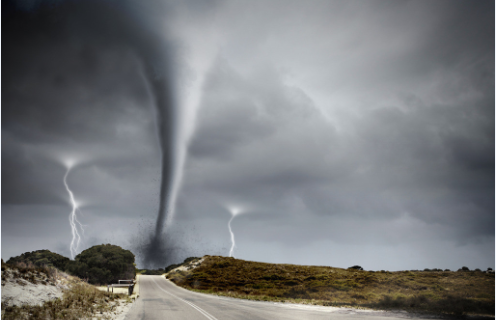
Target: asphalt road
(161,299)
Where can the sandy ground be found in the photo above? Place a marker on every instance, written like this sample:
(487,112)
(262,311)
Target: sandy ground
(31,288)
(24,292)
(122,307)
(189,266)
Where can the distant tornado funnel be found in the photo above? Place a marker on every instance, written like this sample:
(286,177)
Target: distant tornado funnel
(165,115)
(162,92)
(159,73)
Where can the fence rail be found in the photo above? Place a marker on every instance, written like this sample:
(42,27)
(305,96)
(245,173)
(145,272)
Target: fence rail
(130,286)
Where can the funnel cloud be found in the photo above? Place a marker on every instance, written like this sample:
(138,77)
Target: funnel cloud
(163,99)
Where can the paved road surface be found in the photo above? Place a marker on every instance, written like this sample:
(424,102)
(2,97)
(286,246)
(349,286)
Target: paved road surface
(161,299)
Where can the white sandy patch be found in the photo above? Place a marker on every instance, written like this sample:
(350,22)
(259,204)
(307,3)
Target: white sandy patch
(35,288)
(17,290)
(189,266)
(119,310)
(24,292)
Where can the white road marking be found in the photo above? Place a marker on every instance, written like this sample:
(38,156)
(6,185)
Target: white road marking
(191,304)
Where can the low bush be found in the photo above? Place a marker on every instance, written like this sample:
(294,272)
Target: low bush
(356,267)
(40,258)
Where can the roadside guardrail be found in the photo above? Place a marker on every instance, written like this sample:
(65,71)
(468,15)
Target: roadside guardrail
(129,285)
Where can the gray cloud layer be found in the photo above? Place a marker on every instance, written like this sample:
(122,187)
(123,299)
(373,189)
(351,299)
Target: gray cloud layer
(352,132)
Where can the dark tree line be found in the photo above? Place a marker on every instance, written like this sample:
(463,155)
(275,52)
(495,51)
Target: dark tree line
(40,258)
(102,264)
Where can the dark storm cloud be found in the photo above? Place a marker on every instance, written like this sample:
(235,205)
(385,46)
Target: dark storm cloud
(239,118)
(81,78)
(401,122)
(348,130)
(55,59)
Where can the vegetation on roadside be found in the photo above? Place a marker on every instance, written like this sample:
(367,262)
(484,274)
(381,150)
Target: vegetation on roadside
(29,272)
(161,271)
(151,272)
(101,264)
(446,292)
(81,301)
(186,262)
(40,258)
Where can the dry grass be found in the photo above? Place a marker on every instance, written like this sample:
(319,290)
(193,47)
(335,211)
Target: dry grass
(443,292)
(30,272)
(81,301)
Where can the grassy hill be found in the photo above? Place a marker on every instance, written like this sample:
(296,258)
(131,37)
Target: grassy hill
(448,292)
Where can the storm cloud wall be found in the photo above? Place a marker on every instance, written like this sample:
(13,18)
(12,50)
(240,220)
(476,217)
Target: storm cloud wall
(97,27)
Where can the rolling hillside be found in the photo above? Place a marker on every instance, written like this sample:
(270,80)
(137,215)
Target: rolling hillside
(448,292)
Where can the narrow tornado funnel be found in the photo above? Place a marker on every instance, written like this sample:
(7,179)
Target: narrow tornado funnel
(166,136)
(161,90)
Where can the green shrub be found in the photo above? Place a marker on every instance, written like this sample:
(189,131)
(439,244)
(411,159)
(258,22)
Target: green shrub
(356,267)
(41,258)
(103,264)
(274,277)
(156,272)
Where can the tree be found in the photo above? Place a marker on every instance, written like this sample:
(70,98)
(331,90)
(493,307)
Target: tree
(104,264)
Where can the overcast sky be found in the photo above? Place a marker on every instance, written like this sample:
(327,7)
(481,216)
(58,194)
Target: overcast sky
(349,132)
